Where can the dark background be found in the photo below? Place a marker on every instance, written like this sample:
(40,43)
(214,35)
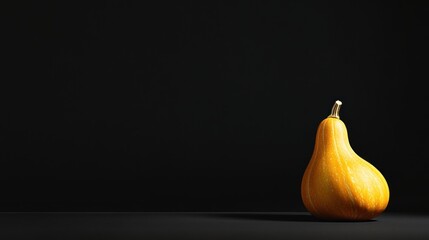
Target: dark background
(205,105)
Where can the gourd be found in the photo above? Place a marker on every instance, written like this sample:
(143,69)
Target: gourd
(337,183)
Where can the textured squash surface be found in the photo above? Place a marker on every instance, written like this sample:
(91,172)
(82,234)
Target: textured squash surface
(337,183)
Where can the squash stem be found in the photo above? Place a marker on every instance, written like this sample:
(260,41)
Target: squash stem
(335,113)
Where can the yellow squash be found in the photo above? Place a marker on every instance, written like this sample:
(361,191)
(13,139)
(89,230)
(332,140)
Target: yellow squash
(337,183)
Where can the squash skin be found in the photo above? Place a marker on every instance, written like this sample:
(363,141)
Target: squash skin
(337,183)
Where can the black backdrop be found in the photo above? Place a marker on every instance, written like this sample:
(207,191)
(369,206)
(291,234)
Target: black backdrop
(205,106)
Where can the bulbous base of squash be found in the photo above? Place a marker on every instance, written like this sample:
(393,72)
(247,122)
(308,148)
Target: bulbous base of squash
(337,206)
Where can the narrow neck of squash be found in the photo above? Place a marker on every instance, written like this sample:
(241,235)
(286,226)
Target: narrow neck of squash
(335,113)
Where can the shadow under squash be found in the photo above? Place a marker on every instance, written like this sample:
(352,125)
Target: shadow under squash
(283,216)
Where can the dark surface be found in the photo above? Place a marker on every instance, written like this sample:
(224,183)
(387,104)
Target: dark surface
(231,225)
